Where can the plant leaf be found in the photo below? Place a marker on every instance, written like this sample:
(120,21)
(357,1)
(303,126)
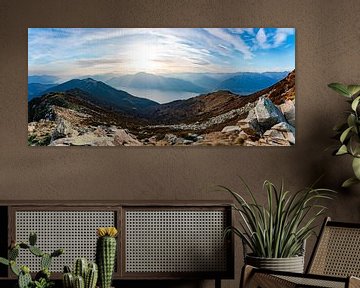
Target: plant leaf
(356,167)
(345,134)
(342,150)
(353,90)
(349,182)
(4,261)
(355,103)
(340,88)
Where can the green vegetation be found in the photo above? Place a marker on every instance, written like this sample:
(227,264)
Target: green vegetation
(349,131)
(42,278)
(279,229)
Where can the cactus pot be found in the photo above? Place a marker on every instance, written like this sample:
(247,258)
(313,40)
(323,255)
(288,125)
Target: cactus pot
(291,264)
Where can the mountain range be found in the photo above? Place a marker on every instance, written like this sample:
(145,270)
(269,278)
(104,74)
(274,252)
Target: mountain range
(144,80)
(104,95)
(243,83)
(90,112)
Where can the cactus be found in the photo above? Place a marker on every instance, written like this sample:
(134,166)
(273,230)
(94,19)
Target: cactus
(90,272)
(42,278)
(57,252)
(36,251)
(14,268)
(45,261)
(80,267)
(79,282)
(91,276)
(13,253)
(32,239)
(68,280)
(105,254)
(24,280)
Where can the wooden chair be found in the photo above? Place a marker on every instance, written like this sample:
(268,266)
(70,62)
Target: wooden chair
(335,262)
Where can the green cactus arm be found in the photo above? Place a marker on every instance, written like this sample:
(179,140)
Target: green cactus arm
(24,245)
(79,282)
(4,261)
(91,276)
(32,238)
(68,280)
(24,280)
(80,268)
(13,253)
(57,252)
(14,268)
(45,261)
(67,269)
(36,251)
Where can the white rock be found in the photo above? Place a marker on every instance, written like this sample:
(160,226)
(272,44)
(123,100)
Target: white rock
(230,129)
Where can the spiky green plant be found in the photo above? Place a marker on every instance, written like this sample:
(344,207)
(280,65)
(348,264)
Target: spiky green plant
(85,274)
(106,254)
(42,278)
(279,229)
(349,132)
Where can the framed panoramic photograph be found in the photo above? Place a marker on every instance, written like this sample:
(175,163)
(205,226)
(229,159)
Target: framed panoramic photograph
(161,86)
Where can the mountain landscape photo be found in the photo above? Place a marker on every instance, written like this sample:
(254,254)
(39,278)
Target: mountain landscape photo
(161,87)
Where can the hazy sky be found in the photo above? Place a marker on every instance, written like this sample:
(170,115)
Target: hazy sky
(69,53)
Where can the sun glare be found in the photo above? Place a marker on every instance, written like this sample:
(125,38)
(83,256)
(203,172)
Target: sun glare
(145,59)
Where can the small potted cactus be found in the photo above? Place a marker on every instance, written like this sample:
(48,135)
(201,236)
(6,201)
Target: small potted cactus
(85,275)
(106,254)
(42,278)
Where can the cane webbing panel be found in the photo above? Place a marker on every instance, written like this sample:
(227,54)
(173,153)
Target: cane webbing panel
(175,241)
(75,231)
(313,282)
(338,252)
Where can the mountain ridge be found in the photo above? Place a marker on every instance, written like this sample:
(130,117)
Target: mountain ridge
(105,95)
(143,80)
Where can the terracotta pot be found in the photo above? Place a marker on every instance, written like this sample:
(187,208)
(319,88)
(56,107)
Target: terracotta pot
(291,264)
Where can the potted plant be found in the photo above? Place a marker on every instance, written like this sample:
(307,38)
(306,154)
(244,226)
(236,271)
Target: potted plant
(42,278)
(276,233)
(349,131)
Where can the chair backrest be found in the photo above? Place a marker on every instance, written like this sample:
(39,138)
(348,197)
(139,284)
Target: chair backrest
(337,251)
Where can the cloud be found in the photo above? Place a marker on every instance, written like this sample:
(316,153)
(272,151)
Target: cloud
(67,52)
(235,41)
(282,34)
(95,62)
(261,39)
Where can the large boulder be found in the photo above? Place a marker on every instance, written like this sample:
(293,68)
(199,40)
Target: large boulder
(63,129)
(250,124)
(282,134)
(267,114)
(288,109)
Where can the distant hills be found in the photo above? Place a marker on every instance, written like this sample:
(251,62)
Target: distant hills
(42,79)
(36,89)
(104,95)
(247,82)
(242,83)
(144,80)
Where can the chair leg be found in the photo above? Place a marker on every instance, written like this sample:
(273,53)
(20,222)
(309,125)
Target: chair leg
(217,283)
(246,273)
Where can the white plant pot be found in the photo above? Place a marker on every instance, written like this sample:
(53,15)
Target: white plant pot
(291,264)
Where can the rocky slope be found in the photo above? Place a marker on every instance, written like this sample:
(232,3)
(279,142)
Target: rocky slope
(73,117)
(68,118)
